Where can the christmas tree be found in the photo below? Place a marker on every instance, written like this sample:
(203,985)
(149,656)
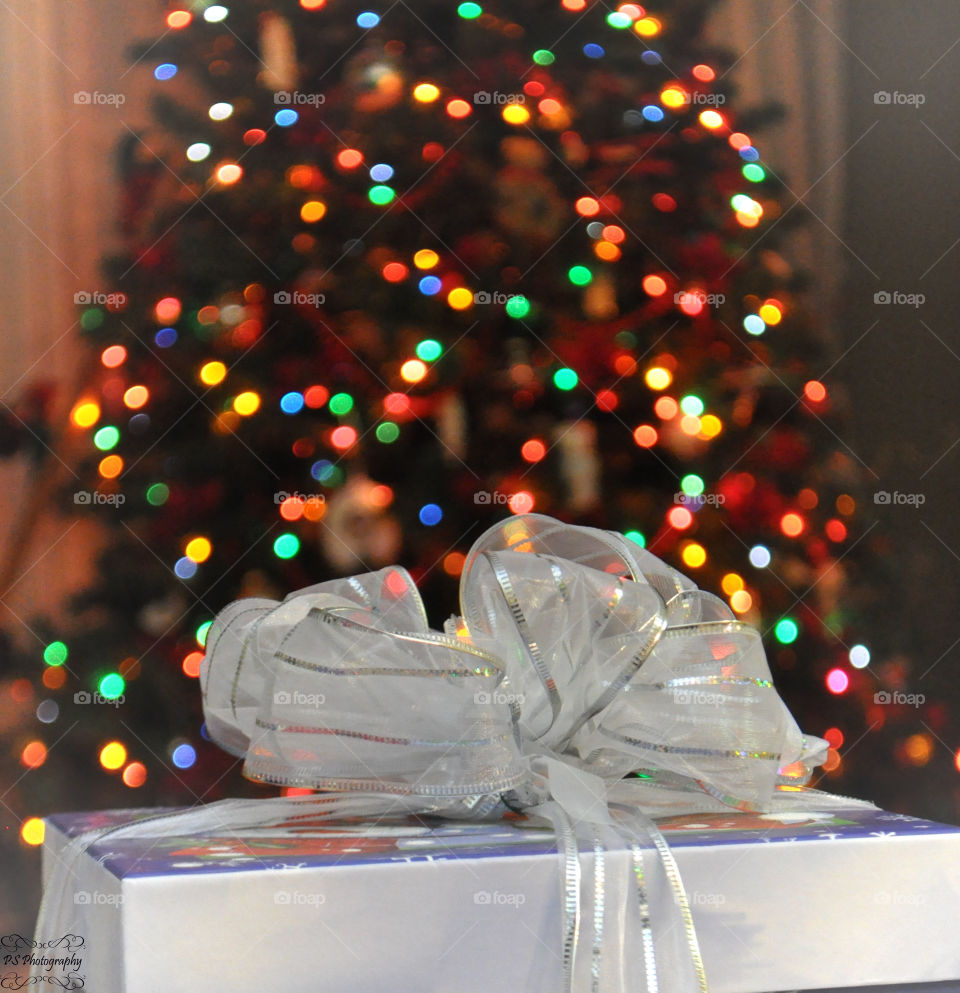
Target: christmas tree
(392,273)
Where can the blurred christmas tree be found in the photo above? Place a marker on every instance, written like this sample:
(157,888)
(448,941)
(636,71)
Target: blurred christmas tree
(393,273)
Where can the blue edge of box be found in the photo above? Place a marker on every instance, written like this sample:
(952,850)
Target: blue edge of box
(306,842)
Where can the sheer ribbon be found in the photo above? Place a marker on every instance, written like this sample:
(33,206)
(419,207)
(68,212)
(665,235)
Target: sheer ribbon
(587,683)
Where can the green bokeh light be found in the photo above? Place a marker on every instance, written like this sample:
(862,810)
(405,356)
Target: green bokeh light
(158,494)
(341,403)
(387,432)
(106,438)
(691,405)
(637,537)
(692,484)
(286,546)
(543,57)
(202,633)
(468,11)
(565,379)
(429,350)
(786,631)
(91,318)
(55,653)
(580,275)
(754,172)
(112,686)
(381,195)
(518,306)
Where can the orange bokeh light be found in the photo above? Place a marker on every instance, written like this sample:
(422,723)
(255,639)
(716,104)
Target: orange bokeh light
(654,286)
(533,450)
(791,525)
(113,356)
(191,664)
(645,436)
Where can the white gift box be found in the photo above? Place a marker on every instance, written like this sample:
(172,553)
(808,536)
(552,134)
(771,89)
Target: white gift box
(842,899)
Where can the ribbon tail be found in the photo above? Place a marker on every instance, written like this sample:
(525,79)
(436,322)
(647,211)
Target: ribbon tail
(687,973)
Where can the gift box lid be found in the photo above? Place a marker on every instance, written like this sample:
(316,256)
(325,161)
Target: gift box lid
(306,843)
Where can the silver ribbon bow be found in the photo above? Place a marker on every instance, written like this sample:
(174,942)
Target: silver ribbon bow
(580,659)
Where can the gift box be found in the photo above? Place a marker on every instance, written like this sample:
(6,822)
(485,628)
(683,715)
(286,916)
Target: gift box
(845,898)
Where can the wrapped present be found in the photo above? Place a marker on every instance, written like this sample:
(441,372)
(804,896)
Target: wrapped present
(797,899)
(588,687)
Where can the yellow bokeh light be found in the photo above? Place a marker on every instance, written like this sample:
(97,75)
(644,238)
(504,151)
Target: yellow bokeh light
(246,403)
(33,830)
(425,92)
(213,373)
(312,211)
(515,113)
(673,97)
(693,555)
(113,755)
(711,119)
(658,378)
(731,583)
(198,549)
(647,27)
(771,313)
(229,173)
(710,426)
(136,397)
(413,370)
(741,601)
(426,258)
(85,414)
(460,298)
